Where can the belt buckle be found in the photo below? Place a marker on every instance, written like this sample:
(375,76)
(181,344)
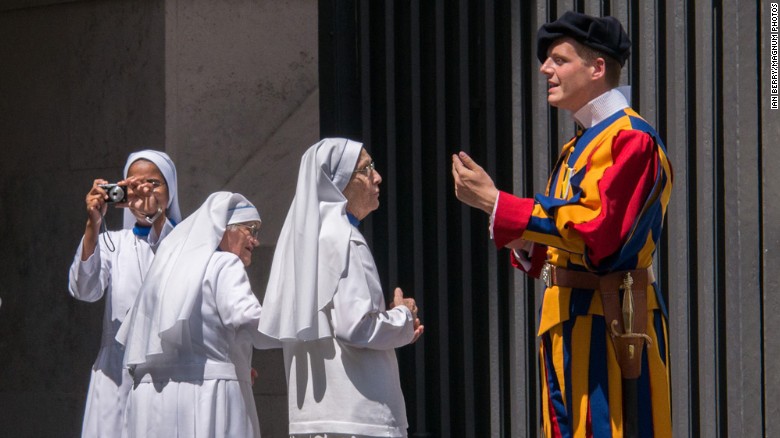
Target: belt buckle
(547,275)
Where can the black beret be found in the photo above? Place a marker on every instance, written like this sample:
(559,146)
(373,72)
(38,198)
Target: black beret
(604,34)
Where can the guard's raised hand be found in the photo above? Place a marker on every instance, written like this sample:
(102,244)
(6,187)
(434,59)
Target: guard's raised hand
(473,186)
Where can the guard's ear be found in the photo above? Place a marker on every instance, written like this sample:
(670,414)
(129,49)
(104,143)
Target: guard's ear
(599,68)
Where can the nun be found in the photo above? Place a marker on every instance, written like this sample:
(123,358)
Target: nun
(113,264)
(189,336)
(325,305)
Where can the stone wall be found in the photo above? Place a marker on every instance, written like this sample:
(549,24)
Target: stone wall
(228,88)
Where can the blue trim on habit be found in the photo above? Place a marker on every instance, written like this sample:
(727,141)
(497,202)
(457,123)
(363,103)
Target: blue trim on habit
(353,220)
(240,207)
(141,230)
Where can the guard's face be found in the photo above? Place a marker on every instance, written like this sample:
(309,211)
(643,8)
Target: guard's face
(569,77)
(362,191)
(241,239)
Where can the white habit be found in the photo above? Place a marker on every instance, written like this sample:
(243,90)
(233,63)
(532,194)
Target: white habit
(189,336)
(349,384)
(118,275)
(206,392)
(324,303)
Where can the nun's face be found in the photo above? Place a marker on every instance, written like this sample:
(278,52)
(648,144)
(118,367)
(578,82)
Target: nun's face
(362,190)
(147,172)
(241,239)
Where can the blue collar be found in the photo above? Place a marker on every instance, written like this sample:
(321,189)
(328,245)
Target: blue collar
(141,230)
(353,220)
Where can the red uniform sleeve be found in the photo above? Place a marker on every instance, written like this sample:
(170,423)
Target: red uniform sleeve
(623,189)
(511,218)
(537,257)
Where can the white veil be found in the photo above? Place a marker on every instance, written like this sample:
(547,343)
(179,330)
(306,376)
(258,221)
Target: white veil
(312,252)
(158,323)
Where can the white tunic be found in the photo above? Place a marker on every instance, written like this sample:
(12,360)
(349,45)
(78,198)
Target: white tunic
(118,275)
(205,393)
(350,384)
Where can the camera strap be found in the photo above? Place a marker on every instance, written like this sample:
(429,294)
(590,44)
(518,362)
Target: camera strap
(106,237)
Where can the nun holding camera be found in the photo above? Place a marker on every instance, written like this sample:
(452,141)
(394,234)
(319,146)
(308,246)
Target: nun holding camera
(114,264)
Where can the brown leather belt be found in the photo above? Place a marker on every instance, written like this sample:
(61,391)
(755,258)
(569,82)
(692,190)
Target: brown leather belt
(557,276)
(627,322)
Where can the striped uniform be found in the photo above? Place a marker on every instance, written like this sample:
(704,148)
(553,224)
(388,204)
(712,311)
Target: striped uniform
(602,212)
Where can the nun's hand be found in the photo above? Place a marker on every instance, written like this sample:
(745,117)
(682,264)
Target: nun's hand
(140,196)
(96,203)
(418,330)
(96,209)
(399,300)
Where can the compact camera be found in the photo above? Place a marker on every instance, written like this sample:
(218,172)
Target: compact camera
(115,192)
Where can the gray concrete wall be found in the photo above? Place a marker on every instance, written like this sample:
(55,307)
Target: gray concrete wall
(241,107)
(227,88)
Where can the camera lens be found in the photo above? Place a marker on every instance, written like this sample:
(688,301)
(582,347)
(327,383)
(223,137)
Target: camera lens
(116,194)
